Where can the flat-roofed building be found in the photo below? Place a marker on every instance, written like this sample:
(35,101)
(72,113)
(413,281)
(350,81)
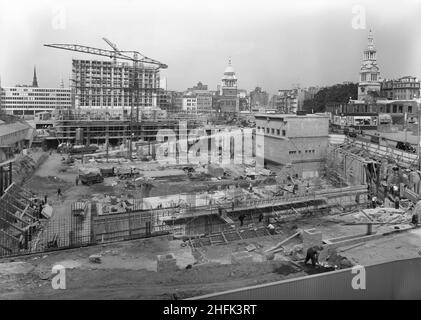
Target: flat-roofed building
(404,88)
(298,140)
(26,101)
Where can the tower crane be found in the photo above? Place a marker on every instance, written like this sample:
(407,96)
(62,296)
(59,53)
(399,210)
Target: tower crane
(135,56)
(114,46)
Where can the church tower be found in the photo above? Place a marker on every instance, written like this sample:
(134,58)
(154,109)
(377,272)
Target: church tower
(369,85)
(35,80)
(229,101)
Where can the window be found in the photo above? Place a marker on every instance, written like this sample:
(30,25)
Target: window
(409,109)
(284,133)
(273,131)
(278,132)
(395,108)
(268,130)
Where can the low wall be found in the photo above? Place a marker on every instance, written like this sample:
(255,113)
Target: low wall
(399,279)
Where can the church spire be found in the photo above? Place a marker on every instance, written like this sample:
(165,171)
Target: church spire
(369,84)
(34,80)
(370,40)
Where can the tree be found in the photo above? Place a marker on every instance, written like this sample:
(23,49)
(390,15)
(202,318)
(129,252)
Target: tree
(339,93)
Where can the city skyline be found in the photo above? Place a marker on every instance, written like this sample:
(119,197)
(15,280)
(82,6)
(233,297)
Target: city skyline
(266,44)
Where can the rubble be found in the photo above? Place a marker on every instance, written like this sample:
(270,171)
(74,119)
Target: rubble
(95,258)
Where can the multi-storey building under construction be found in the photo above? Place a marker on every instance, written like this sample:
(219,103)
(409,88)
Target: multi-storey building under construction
(113,87)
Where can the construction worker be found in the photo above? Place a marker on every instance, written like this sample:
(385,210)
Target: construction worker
(414,220)
(397,200)
(271,229)
(374,202)
(313,255)
(241,218)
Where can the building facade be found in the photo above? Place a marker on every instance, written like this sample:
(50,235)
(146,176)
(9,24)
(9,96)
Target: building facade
(404,88)
(363,115)
(26,101)
(286,101)
(189,103)
(258,98)
(204,97)
(300,140)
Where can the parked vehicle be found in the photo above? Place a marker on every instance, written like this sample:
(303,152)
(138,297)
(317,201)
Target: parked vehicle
(406,146)
(107,172)
(90,178)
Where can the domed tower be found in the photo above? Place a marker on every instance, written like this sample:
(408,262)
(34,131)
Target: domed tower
(229,80)
(229,101)
(369,84)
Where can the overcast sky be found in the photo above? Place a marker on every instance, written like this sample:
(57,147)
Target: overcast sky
(273,44)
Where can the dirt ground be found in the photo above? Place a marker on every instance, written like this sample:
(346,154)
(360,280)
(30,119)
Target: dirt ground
(128,270)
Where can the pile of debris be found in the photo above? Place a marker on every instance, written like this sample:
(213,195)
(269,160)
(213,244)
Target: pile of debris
(337,261)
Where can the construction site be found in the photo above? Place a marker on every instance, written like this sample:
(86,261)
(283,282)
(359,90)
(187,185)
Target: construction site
(143,207)
(179,231)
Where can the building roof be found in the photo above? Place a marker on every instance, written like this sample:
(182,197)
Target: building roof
(229,70)
(8,128)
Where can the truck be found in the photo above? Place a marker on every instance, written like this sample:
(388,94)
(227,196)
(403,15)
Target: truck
(90,178)
(81,149)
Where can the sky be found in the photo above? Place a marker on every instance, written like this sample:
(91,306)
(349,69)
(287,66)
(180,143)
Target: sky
(272,44)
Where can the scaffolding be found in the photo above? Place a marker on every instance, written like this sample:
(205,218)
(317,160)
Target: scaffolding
(18,219)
